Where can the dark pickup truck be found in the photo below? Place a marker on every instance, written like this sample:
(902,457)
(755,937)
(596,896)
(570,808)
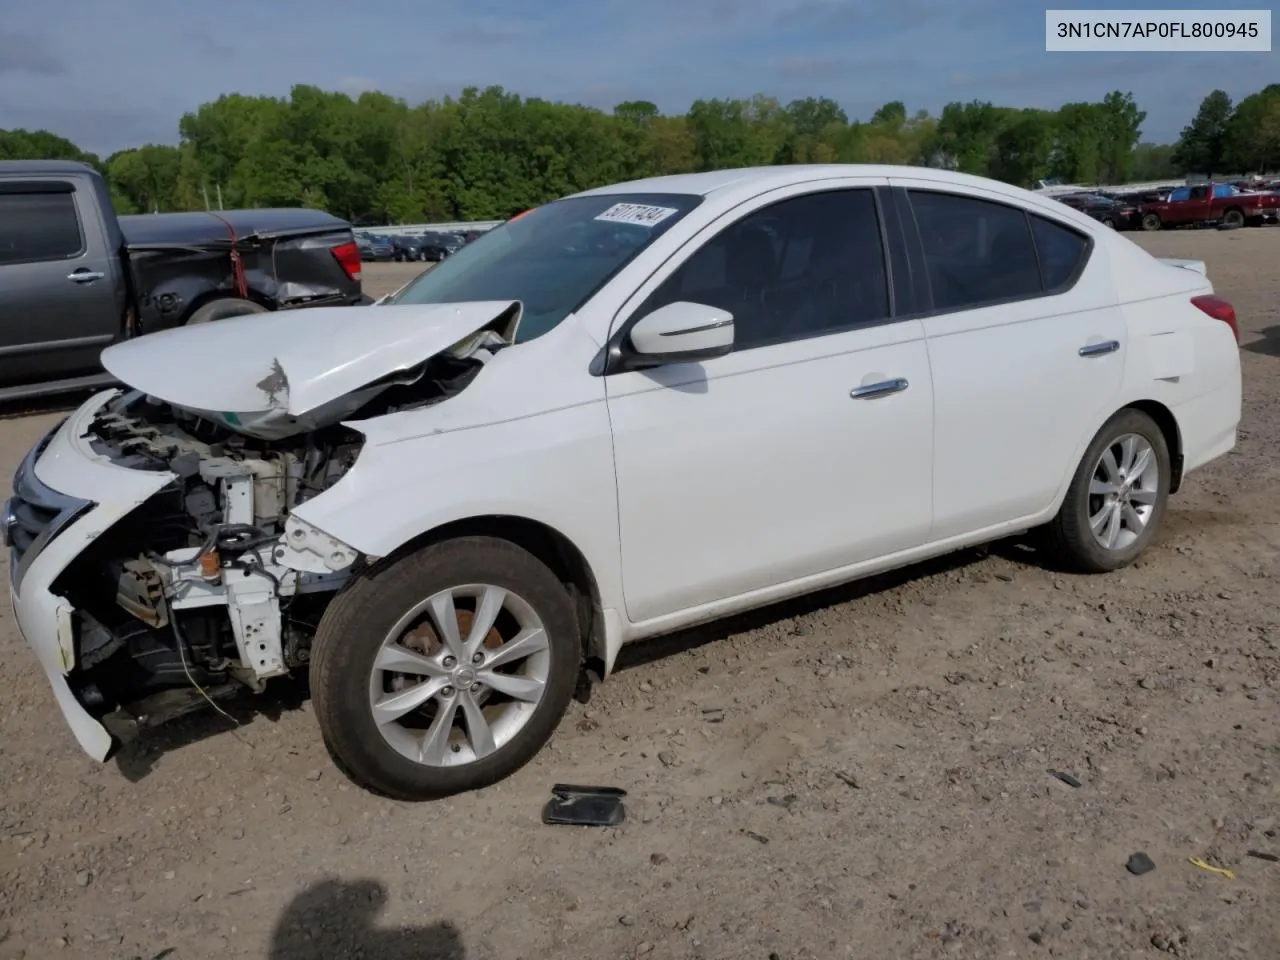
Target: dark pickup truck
(75,278)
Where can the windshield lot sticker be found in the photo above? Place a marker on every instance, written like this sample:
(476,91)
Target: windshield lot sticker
(637,214)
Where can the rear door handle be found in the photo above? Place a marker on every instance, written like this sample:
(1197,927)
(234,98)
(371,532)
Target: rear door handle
(870,391)
(1099,349)
(85,276)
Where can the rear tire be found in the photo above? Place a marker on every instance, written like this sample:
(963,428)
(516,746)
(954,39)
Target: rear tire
(224,308)
(1233,218)
(1151,222)
(1117,497)
(396,753)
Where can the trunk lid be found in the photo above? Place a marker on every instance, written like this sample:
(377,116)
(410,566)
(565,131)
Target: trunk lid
(1195,266)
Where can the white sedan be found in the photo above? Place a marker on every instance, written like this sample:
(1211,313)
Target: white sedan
(631,410)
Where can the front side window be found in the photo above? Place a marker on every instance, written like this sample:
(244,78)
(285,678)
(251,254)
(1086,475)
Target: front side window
(552,258)
(976,252)
(798,268)
(39,226)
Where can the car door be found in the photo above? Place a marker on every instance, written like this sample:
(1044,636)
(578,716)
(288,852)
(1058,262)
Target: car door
(1027,347)
(1198,205)
(59,300)
(807,448)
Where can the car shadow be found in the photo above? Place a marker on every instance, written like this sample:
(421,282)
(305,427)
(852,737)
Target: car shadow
(336,920)
(659,648)
(142,748)
(137,758)
(1269,345)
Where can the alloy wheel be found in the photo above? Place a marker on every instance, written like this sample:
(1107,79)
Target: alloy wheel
(459,675)
(1123,491)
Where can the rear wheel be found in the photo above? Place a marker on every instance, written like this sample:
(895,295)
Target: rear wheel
(1150,221)
(1117,497)
(224,308)
(1233,218)
(445,671)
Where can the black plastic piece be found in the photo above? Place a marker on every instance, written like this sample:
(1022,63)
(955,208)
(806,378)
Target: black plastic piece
(1066,778)
(1139,864)
(585,806)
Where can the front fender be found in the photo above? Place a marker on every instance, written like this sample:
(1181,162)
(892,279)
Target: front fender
(555,469)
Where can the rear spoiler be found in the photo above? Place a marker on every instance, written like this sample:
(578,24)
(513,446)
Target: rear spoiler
(1195,266)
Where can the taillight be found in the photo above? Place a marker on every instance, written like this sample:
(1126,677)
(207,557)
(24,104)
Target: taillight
(348,257)
(1219,309)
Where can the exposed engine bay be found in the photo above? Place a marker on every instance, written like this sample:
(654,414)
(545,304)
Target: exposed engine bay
(211,585)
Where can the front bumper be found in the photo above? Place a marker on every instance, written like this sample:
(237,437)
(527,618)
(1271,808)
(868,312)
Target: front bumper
(86,494)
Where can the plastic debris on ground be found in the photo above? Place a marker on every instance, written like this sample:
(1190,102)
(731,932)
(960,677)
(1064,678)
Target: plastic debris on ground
(585,806)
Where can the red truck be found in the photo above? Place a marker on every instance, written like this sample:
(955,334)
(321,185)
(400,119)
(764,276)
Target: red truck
(1210,203)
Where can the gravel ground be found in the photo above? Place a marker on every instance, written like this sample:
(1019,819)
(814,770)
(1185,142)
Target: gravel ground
(861,774)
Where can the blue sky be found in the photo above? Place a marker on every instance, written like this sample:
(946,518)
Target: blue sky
(115,73)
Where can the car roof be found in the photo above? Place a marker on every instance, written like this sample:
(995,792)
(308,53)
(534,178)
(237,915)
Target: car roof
(34,167)
(750,181)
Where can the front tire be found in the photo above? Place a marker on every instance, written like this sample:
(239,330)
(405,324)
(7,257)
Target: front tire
(445,671)
(1117,497)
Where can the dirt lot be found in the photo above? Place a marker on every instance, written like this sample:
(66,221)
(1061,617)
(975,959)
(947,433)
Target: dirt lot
(877,787)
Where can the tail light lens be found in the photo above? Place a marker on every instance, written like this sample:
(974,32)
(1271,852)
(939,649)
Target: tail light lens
(348,257)
(1219,309)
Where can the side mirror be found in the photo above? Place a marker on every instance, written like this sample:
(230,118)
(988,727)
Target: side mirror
(682,332)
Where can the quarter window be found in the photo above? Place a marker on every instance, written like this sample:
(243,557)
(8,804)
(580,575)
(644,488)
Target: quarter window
(38,226)
(976,252)
(798,268)
(1060,251)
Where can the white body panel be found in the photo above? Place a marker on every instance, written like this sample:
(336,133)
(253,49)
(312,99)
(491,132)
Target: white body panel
(694,491)
(69,466)
(294,361)
(781,473)
(1013,396)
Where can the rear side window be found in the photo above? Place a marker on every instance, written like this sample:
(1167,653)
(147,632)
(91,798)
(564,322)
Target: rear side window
(38,226)
(1061,252)
(976,252)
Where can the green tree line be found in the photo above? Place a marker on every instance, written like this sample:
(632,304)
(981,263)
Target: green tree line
(488,154)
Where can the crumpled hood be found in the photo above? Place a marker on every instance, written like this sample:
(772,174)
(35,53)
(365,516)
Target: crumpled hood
(273,375)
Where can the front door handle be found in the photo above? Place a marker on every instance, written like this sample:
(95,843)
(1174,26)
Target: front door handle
(85,276)
(870,391)
(1099,349)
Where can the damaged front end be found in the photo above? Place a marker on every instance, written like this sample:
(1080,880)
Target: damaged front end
(212,585)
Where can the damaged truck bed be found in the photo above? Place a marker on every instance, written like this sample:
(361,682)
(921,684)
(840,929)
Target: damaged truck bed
(75,278)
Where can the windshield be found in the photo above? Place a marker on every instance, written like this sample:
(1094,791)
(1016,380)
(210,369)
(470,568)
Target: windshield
(552,258)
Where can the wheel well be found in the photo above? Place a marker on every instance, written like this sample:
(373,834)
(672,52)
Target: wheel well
(554,549)
(1168,425)
(208,297)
